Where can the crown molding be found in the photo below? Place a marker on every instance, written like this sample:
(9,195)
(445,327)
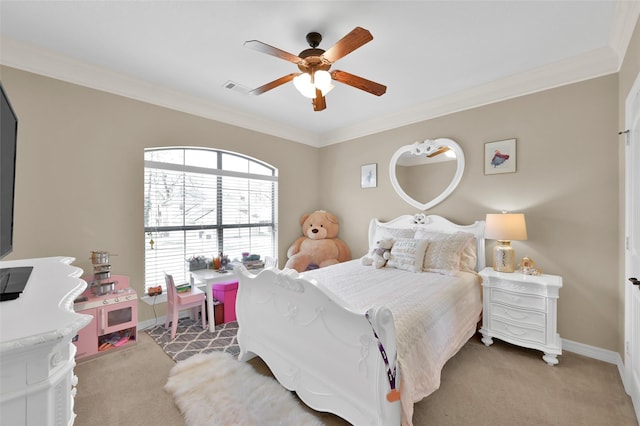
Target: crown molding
(583,67)
(33,59)
(603,61)
(627,13)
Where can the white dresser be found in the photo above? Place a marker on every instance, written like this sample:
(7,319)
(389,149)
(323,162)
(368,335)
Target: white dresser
(522,310)
(37,383)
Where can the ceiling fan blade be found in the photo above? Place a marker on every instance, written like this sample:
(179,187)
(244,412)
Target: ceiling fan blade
(273,51)
(359,82)
(319,102)
(275,83)
(347,44)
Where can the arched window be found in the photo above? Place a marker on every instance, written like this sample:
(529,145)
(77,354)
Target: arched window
(200,202)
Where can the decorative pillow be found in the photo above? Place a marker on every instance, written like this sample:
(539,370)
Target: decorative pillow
(469,256)
(407,254)
(444,251)
(383,232)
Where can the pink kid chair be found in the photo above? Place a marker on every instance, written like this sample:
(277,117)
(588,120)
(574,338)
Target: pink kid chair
(181,301)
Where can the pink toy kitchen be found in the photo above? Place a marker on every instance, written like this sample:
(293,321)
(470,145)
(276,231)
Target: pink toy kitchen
(113,304)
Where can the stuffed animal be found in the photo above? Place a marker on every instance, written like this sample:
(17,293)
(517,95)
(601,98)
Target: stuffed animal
(380,254)
(319,245)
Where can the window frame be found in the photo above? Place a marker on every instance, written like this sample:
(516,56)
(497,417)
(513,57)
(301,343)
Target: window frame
(219,227)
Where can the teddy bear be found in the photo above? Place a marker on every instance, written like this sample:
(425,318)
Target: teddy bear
(380,253)
(319,245)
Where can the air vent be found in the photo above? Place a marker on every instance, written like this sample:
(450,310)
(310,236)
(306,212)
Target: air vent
(232,85)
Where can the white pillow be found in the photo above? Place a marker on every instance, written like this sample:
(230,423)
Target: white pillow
(383,232)
(407,254)
(444,251)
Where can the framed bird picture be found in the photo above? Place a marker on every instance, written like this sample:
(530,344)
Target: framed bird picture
(500,157)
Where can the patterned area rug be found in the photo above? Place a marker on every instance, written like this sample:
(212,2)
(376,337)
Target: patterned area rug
(191,339)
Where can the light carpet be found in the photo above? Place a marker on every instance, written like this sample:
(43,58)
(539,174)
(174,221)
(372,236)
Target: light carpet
(216,389)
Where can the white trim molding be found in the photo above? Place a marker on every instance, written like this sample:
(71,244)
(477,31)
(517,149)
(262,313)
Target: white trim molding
(27,57)
(599,62)
(593,352)
(627,13)
(600,354)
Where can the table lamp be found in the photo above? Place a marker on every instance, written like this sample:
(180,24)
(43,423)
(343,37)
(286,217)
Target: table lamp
(505,227)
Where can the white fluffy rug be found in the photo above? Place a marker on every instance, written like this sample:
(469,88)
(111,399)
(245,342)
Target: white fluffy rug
(216,389)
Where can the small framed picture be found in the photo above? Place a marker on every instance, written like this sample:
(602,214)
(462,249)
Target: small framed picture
(369,175)
(500,157)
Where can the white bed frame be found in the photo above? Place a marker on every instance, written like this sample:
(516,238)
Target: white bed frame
(316,346)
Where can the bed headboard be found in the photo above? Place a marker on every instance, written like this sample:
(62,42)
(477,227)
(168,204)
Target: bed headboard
(437,224)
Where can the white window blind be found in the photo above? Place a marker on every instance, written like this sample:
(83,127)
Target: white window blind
(200,202)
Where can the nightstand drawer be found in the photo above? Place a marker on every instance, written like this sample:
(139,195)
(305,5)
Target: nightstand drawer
(519,333)
(518,299)
(524,317)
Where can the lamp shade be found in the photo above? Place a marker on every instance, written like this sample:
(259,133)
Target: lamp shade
(304,85)
(322,80)
(307,86)
(505,227)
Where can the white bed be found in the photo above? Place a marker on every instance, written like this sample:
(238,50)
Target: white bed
(311,328)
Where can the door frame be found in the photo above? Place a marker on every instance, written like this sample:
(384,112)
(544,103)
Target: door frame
(632,109)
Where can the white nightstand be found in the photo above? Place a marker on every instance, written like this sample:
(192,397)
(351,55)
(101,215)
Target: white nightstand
(521,309)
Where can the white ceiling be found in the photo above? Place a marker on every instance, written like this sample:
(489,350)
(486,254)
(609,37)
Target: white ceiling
(435,57)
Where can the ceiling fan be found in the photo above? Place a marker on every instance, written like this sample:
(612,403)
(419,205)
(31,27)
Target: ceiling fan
(314,80)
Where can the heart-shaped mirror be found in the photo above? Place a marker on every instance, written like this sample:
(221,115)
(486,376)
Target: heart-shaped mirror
(425,173)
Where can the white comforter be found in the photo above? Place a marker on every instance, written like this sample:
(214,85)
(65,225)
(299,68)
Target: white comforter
(434,316)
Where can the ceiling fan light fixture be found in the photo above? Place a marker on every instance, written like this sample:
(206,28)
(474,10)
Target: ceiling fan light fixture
(307,87)
(304,85)
(322,80)
(327,90)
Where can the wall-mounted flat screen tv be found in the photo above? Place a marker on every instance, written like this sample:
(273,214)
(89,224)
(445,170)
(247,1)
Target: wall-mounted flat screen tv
(8,139)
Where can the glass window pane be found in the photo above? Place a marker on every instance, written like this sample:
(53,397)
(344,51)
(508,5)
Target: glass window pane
(260,240)
(201,158)
(260,169)
(167,255)
(261,201)
(164,198)
(235,201)
(173,156)
(200,204)
(235,163)
(201,243)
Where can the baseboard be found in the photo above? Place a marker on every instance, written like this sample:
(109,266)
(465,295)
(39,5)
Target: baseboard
(143,325)
(593,352)
(600,354)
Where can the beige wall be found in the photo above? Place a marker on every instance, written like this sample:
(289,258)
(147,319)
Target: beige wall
(628,74)
(80,170)
(79,182)
(566,183)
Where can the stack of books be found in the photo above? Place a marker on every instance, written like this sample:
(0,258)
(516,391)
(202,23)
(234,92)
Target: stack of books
(183,288)
(253,264)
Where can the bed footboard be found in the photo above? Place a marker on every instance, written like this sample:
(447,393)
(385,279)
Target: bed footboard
(317,347)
